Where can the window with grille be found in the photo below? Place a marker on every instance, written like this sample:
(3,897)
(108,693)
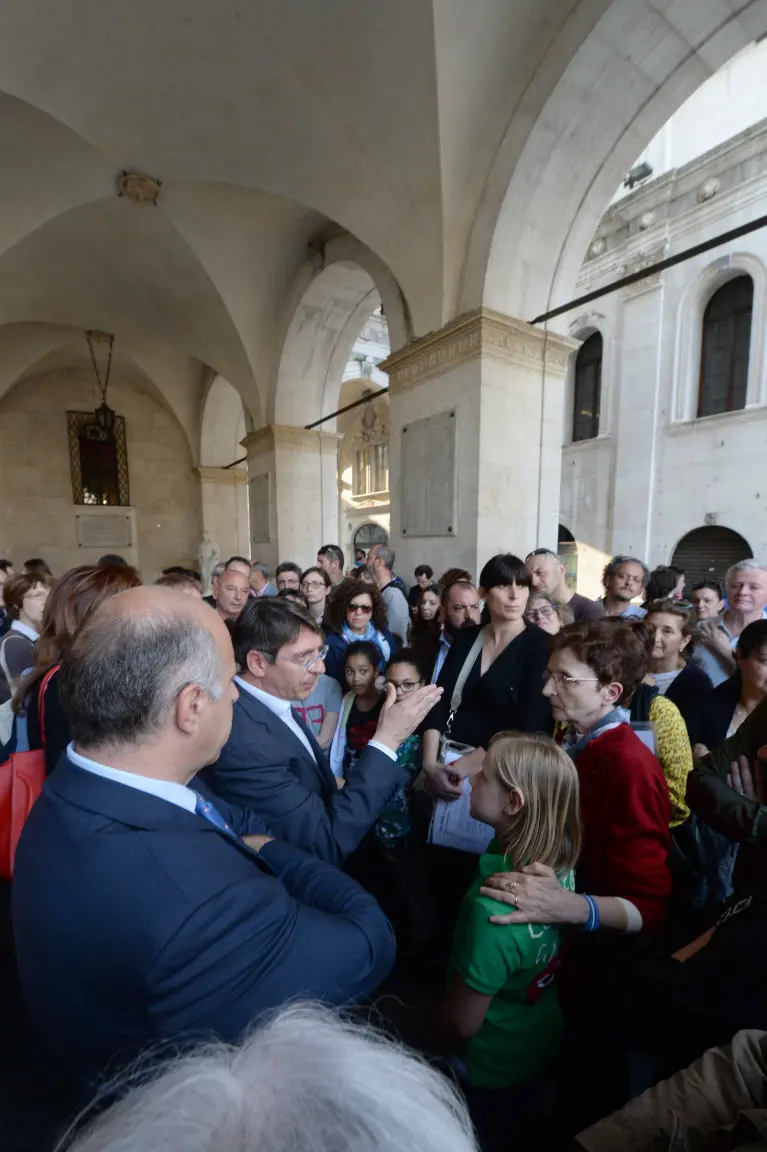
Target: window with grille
(98,461)
(724,348)
(588,389)
(371,470)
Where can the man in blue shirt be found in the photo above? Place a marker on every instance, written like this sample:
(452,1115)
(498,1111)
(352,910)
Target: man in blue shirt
(624,579)
(145,909)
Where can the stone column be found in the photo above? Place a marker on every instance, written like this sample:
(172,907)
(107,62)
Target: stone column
(225,508)
(293,493)
(476,418)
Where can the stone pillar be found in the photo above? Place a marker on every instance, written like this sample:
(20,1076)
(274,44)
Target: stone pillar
(293,493)
(225,508)
(476,418)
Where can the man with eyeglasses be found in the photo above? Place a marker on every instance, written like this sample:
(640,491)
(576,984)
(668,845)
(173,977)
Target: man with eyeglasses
(272,763)
(548,574)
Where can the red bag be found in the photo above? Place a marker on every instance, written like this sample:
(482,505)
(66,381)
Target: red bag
(21,782)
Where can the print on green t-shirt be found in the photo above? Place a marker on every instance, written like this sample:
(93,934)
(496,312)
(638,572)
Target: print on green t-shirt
(521,1033)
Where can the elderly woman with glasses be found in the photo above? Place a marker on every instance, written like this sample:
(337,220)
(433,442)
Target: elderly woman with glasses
(355,611)
(549,614)
(622,879)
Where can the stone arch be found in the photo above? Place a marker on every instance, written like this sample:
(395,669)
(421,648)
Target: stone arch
(333,296)
(549,186)
(223,473)
(689,324)
(707,552)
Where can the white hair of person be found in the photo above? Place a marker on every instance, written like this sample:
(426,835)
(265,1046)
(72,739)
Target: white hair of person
(744,566)
(304,1081)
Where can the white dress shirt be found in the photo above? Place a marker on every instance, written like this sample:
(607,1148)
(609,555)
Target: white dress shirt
(283,709)
(25,630)
(177,794)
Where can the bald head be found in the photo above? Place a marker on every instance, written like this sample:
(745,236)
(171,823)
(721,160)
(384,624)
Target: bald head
(135,657)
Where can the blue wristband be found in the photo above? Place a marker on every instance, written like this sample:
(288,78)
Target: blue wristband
(593,921)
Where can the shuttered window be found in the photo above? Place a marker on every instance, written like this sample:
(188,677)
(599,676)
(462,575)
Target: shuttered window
(588,388)
(724,349)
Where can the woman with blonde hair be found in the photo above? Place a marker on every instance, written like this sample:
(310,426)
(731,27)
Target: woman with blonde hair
(501,1017)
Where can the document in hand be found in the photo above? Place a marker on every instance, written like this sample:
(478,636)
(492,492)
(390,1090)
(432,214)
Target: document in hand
(453,826)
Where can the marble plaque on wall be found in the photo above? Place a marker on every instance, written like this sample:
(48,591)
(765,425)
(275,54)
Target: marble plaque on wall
(428,476)
(104,530)
(259,490)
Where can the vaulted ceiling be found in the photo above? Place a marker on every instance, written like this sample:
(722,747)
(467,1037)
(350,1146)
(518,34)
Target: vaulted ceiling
(275,125)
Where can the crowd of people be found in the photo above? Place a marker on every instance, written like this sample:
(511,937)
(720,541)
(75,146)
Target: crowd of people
(263,796)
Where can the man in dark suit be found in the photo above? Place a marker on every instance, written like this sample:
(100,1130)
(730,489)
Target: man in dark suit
(272,763)
(142,909)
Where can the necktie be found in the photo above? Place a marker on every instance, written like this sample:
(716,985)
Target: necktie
(204,808)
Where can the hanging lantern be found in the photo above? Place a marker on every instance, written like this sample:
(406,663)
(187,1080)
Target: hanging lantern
(104,415)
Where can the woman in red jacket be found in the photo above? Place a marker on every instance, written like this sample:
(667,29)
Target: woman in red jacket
(594,668)
(622,879)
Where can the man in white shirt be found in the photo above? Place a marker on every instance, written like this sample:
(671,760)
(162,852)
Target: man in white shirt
(272,763)
(171,915)
(461,608)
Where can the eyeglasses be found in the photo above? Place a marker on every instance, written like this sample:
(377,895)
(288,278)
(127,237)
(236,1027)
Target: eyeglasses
(405,687)
(38,594)
(308,663)
(365,609)
(560,678)
(313,585)
(536,614)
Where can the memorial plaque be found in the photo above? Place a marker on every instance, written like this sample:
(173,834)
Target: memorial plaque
(259,490)
(111,530)
(428,476)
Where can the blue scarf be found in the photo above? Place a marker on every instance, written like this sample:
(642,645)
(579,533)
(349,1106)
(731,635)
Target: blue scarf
(371,633)
(573,743)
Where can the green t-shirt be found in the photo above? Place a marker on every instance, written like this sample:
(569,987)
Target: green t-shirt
(515,964)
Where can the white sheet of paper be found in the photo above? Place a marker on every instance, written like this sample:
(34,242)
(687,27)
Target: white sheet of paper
(453,826)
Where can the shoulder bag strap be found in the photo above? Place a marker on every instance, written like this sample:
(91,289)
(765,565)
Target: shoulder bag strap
(4,662)
(41,699)
(463,675)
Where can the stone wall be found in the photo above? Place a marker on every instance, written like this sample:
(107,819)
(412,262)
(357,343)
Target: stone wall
(37,516)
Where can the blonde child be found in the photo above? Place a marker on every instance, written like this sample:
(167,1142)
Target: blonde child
(501,1017)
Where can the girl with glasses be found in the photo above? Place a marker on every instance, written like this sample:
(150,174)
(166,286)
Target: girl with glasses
(549,614)
(355,611)
(25,598)
(315,585)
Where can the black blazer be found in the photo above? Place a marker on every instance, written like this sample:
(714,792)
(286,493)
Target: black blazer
(691,692)
(57,735)
(164,927)
(508,697)
(722,702)
(264,767)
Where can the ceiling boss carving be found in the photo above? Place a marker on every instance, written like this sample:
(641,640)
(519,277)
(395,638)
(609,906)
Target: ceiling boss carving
(138,187)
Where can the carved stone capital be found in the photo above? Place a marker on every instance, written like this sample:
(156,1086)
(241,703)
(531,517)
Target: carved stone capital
(223,475)
(275,436)
(479,333)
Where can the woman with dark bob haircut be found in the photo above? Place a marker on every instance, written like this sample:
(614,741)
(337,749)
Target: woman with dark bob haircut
(492,677)
(355,611)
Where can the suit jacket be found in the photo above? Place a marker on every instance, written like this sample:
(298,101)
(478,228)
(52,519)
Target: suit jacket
(265,767)
(136,920)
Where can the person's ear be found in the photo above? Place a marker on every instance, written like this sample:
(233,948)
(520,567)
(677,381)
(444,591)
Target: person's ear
(256,663)
(190,704)
(514,803)
(611,693)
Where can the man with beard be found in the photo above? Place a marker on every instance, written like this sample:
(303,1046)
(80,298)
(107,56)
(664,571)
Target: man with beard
(461,608)
(624,578)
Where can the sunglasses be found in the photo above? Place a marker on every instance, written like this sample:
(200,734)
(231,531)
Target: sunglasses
(365,609)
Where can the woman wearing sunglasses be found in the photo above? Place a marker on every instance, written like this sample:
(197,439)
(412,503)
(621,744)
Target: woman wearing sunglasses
(355,611)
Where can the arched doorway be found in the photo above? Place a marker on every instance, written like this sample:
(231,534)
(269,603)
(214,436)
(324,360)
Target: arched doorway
(707,553)
(369,534)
